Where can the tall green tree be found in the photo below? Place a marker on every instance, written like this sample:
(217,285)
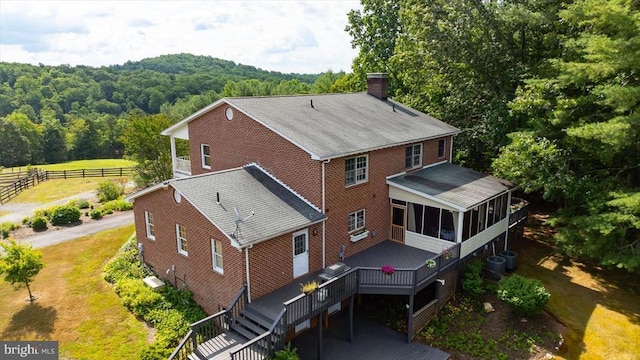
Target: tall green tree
(152,151)
(54,147)
(20,264)
(588,106)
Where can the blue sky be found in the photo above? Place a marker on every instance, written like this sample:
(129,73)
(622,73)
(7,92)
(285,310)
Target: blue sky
(287,36)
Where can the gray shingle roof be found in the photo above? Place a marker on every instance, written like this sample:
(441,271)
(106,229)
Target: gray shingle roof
(341,124)
(452,184)
(276,209)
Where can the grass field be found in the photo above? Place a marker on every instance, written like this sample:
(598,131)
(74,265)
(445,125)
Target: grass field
(80,164)
(75,306)
(600,307)
(52,190)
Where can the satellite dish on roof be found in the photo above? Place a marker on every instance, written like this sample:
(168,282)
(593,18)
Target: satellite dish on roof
(239,218)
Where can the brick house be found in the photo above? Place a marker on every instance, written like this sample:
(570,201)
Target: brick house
(278,190)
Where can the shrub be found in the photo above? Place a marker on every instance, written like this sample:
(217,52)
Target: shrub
(96,214)
(39,223)
(117,205)
(472,281)
(26,221)
(65,215)
(6,228)
(108,190)
(156,351)
(137,297)
(124,266)
(46,212)
(524,295)
(81,204)
(287,354)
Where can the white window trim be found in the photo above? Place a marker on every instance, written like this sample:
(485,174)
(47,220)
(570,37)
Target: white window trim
(179,243)
(366,170)
(148,225)
(203,156)
(412,156)
(444,149)
(214,263)
(364,221)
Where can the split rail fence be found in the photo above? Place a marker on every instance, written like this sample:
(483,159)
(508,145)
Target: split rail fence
(12,184)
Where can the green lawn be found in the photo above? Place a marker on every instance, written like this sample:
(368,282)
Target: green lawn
(52,190)
(82,164)
(75,306)
(600,307)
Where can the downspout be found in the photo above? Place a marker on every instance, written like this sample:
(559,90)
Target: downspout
(460,226)
(246,262)
(451,150)
(324,205)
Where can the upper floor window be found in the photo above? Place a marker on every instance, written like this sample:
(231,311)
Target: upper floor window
(205,150)
(356,220)
(216,255)
(413,156)
(148,219)
(355,170)
(442,145)
(181,237)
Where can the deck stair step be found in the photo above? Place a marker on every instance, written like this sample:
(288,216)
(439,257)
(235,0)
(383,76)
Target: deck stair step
(250,325)
(257,317)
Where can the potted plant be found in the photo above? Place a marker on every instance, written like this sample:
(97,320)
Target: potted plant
(446,254)
(430,263)
(388,270)
(309,287)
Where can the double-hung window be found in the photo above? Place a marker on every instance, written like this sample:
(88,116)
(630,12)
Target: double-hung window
(205,150)
(413,156)
(181,237)
(216,255)
(148,219)
(356,170)
(356,221)
(442,145)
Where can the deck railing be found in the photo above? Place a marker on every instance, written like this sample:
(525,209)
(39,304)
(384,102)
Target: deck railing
(519,210)
(305,306)
(183,164)
(209,327)
(263,346)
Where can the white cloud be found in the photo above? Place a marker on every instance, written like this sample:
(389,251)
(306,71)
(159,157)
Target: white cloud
(287,36)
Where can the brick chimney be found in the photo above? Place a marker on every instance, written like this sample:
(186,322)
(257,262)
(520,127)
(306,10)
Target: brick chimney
(378,85)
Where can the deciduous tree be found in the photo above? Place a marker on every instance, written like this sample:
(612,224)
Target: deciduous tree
(20,264)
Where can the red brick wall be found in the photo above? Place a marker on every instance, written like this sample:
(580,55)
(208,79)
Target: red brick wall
(243,140)
(373,196)
(271,262)
(209,287)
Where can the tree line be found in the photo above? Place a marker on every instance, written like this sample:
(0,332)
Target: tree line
(546,91)
(57,113)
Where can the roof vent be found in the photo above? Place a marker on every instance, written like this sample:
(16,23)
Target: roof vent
(312,103)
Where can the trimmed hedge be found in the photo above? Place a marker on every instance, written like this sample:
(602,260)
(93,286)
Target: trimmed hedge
(524,295)
(65,214)
(116,205)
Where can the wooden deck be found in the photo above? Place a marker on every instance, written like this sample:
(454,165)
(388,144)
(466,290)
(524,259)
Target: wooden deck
(219,347)
(386,253)
(371,341)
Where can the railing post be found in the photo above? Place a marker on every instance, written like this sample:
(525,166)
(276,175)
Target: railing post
(194,338)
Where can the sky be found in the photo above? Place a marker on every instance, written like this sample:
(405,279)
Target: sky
(287,36)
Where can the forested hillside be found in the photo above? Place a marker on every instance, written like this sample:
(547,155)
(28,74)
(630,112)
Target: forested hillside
(55,113)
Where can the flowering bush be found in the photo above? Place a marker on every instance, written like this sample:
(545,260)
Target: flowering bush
(387,269)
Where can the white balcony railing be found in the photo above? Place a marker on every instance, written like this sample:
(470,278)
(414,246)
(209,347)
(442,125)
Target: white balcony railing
(183,164)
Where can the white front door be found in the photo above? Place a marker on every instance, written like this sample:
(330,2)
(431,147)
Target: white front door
(300,253)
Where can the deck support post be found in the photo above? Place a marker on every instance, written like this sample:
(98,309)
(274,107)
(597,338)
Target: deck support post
(320,345)
(351,304)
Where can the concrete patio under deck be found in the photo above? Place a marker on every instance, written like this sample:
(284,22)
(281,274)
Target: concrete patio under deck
(370,341)
(385,253)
